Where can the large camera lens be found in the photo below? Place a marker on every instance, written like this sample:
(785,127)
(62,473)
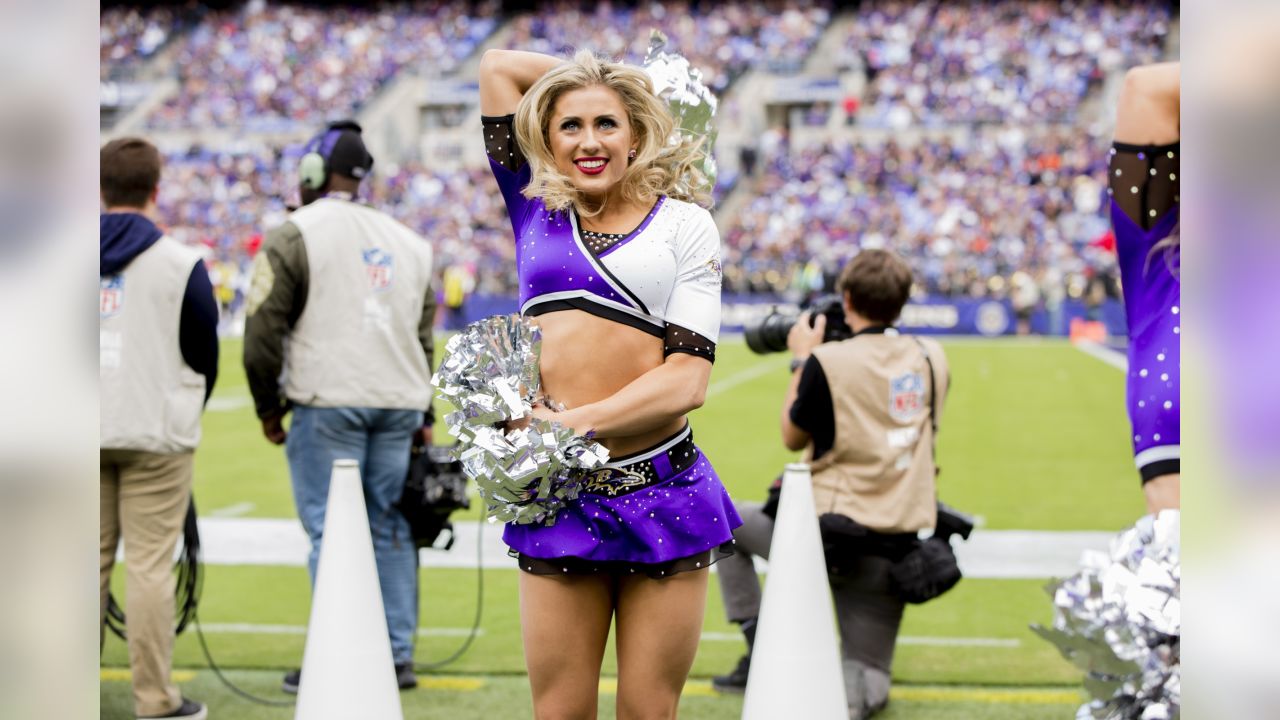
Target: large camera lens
(769,335)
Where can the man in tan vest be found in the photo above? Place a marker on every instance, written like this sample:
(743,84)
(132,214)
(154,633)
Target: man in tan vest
(158,361)
(864,410)
(338,334)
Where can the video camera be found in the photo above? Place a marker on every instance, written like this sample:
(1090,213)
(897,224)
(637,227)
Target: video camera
(434,488)
(769,335)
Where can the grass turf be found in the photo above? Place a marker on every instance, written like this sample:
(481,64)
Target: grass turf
(1033,438)
(997,610)
(505,696)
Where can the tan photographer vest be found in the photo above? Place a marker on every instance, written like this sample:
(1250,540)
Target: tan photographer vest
(149,398)
(880,469)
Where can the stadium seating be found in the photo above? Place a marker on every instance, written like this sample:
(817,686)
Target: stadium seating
(940,62)
(991,206)
(967,216)
(272,67)
(721,39)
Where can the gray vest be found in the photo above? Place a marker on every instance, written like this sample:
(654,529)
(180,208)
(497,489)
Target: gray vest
(150,398)
(356,343)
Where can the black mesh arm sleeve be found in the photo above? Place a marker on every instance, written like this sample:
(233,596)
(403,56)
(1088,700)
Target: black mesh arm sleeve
(678,339)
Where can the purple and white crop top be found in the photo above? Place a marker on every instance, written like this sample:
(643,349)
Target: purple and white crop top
(663,277)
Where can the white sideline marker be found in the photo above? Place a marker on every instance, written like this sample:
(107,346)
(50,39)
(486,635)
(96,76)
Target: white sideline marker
(1105,354)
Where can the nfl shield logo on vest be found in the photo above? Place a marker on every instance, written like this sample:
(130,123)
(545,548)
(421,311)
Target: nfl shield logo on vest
(377,264)
(110,295)
(906,396)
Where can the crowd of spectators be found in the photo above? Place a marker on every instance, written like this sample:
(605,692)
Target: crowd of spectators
(969,217)
(978,217)
(225,200)
(130,36)
(270,67)
(938,63)
(722,40)
(972,218)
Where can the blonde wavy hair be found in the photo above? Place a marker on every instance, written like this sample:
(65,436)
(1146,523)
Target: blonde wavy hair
(659,168)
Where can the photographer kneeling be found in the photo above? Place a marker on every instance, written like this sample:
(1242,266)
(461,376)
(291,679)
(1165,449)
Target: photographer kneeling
(866,409)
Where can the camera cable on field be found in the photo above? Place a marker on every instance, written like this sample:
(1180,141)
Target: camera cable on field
(189,569)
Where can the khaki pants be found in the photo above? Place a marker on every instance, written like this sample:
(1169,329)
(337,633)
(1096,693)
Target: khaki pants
(144,498)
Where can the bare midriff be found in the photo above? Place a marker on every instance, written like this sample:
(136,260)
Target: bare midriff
(586,359)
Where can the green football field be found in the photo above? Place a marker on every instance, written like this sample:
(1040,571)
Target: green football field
(1033,437)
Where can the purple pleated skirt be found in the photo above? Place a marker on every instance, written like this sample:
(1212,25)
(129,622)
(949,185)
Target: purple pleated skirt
(658,512)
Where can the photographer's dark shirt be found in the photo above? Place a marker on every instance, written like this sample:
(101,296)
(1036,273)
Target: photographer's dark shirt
(814,410)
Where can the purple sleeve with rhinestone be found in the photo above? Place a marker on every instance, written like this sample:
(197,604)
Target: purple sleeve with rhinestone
(1144,212)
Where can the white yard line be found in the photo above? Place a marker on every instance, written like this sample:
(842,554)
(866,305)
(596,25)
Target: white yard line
(262,629)
(257,629)
(228,403)
(903,640)
(231,511)
(760,369)
(1111,357)
(987,553)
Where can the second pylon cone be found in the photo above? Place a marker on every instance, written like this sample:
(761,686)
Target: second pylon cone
(347,671)
(795,665)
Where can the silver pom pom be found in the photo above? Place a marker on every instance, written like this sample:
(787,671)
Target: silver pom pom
(490,374)
(692,104)
(1119,619)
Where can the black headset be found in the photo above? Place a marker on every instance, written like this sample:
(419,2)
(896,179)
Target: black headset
(313,169)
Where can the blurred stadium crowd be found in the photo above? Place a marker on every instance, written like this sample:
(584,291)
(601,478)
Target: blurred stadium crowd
(966,148)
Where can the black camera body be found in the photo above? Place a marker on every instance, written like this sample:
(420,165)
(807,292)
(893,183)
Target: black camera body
(769,335)
(952,522)
(435,487)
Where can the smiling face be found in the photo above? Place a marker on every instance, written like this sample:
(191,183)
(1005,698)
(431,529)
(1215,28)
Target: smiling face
(590,138)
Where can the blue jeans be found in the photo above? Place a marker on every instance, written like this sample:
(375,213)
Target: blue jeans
(379,440)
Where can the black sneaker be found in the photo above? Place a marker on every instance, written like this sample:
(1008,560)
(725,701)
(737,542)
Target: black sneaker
(736,681)
(291,680)
(405,676)
(188,709)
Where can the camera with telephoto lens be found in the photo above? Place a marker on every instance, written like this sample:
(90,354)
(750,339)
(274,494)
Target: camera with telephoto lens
(769,334)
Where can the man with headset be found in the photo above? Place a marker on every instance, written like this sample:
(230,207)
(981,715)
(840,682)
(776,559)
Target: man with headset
(347,289)
(865,410)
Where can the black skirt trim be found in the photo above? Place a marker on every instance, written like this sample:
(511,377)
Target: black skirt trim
(1153,470)
(617,569)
